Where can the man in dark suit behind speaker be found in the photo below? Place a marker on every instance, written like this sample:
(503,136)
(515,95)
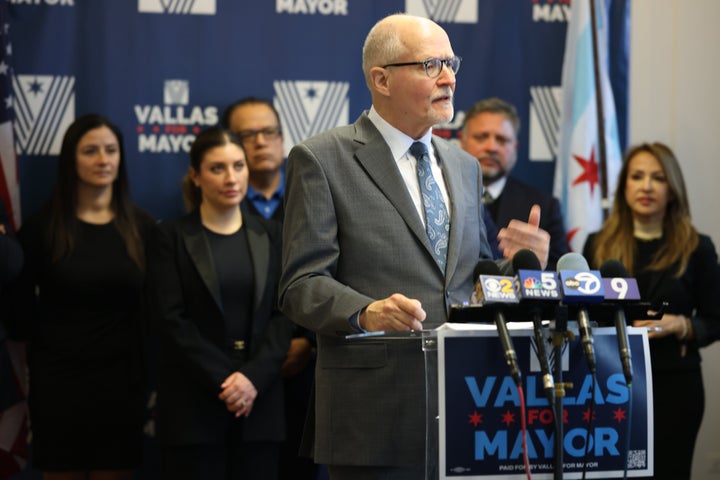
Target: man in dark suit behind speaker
(489,133)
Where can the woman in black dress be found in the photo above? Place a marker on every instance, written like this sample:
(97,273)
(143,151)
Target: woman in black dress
(220,398)
(650,232)
(81,295)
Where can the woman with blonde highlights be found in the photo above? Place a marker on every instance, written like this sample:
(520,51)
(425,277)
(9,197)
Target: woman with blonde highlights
(650,232)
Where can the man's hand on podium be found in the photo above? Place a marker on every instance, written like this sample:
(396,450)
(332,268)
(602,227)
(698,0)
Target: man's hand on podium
(395,313)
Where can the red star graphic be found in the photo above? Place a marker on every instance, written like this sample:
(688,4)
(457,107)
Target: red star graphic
(586,415)
(507,418)
(590,170)
(619,415)
(140,129)
(475,418)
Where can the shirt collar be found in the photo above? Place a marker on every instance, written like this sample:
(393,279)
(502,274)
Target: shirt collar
(398,142)
(253,194)
(495,189)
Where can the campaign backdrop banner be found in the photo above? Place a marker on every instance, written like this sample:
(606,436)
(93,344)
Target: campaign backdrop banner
(165,69)
(480,415)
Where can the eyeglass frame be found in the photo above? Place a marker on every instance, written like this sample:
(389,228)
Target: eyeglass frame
(270,133)
(425,63)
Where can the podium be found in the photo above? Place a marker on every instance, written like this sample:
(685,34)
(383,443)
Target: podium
(474,416)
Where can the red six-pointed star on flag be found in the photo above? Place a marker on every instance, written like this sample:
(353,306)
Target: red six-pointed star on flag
(589,170)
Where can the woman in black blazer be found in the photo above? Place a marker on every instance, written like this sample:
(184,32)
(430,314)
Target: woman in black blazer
(220,399)
(650,231)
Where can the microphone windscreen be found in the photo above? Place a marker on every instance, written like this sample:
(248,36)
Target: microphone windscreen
(525,259)
(572,261)
(486,267)
(613,268)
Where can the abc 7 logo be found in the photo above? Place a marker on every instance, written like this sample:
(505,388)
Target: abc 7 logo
(585,283)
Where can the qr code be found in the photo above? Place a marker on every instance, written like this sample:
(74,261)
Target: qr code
(636,459)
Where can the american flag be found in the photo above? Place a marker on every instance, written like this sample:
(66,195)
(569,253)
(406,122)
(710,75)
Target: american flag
(9,183)
(13,385)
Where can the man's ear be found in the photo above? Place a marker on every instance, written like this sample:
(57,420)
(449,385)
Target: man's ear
(380,80)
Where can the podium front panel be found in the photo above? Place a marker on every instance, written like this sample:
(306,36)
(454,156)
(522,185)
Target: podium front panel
(480,434)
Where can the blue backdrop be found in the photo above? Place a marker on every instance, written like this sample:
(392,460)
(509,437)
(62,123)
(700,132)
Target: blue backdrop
(164,69)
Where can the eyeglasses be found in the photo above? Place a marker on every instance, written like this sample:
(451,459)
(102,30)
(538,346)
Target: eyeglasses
(270,133)
(433,66)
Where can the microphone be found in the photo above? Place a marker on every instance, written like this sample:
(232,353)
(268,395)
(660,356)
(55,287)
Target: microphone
(484,267)
(535,286)
(493,289)
(619,288)
(581,285)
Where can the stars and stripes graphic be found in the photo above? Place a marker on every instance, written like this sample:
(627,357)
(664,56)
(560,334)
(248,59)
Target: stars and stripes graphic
(310,107)
(44,109)
(578,168)
(178,7)
(9,183)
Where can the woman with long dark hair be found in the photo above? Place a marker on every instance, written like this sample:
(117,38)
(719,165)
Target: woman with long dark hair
(651,233)
(81,292)
(220,397)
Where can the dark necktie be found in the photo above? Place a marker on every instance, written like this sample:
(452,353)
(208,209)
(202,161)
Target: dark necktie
(487,198)
(437,222)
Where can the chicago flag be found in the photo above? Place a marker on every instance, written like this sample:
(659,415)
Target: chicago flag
(578,175)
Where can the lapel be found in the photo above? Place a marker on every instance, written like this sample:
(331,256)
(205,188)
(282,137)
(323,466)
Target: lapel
(376,159)
(198,249)
(259,244)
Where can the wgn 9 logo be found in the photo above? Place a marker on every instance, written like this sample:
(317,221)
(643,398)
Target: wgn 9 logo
(619,288)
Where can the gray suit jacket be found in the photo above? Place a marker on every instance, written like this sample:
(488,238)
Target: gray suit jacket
(352,236)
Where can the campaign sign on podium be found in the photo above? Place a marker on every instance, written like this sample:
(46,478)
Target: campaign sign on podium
(480,435)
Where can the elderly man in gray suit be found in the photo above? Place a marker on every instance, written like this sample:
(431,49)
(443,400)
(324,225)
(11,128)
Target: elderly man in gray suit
(369,244)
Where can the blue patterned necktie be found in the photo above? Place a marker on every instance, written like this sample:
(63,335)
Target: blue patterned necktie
(437,222)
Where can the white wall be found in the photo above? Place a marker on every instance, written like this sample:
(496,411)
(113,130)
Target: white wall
(675,98)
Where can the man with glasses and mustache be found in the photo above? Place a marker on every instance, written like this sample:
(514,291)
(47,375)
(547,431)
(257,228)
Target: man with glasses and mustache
(489,133)
(383,228)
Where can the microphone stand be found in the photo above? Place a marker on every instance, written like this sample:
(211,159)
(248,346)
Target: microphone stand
(559,336)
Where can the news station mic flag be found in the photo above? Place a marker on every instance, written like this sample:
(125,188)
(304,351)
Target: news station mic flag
(579,174)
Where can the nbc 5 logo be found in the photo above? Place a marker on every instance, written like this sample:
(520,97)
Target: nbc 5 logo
(44,109)
(447,11)
(182,7)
